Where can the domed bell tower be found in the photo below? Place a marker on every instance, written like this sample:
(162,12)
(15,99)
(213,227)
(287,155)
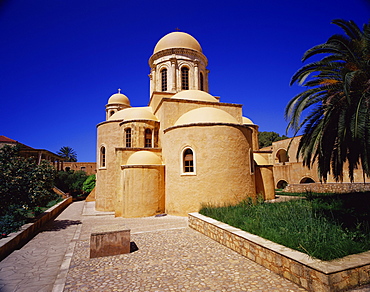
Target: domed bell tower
(178,64)
(116,102)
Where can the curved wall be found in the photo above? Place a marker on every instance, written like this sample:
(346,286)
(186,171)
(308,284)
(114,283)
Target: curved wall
(143,193)
(107,177)
(222,165)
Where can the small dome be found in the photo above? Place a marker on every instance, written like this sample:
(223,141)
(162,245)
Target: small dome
(144,158)
(134,113)
(177,39)
(195,95)
(119,98)
(206,115)
(247,121)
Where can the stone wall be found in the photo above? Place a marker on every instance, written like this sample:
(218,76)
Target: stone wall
(311,274)
(88,167)
(327,187)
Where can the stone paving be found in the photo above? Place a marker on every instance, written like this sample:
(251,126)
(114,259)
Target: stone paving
(170,257)
(36,265)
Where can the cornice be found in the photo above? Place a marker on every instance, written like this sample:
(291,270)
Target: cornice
(178,51)
(206,124)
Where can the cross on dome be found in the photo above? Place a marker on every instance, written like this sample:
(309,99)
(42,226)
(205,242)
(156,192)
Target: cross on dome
(119,90)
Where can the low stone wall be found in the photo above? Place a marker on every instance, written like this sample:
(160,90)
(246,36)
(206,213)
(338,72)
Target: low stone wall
(327,187)
(311,274)
(17,239)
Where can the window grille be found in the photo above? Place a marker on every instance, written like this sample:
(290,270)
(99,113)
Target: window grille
(164,79)
(185,78)
(128,137)
(188,161)
(148,138)
(102,156)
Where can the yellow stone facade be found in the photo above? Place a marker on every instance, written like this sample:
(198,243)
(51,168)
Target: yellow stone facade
(289,170)
(185,149)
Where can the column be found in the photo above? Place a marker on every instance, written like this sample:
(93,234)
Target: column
(173,74)
(196,75)
(39,158)
(206,88)
(152,77)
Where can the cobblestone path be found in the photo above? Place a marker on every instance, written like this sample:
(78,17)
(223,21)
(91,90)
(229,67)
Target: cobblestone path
(170,257)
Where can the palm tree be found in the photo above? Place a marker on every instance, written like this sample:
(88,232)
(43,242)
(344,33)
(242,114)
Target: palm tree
(68,152)
(337,127)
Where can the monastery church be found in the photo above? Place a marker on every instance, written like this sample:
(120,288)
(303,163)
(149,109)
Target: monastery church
(185,149)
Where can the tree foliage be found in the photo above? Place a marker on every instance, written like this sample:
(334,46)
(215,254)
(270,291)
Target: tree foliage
(24,185)
(22,181)
(70,181)
(337,127)
(89,184)
(68,153)
(266,138)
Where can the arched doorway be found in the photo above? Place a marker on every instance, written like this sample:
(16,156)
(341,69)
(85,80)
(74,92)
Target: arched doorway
(306,180)
(281,184)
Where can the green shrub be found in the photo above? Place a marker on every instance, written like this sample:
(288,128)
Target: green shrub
(22,181)
(70,181)
(25,187)
(12,220)
(89,184)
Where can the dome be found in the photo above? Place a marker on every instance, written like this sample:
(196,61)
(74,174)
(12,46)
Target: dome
(247,121)
(206,115)
(134,113)
(119,98)
(177,39)
(144,158)
(195,95)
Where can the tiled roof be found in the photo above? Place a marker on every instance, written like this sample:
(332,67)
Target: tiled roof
(6,139)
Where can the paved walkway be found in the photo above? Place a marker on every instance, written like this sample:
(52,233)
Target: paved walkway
(170,257)
(36,265)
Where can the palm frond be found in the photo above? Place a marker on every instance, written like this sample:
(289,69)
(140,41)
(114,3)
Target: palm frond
(337,128)
(349,27)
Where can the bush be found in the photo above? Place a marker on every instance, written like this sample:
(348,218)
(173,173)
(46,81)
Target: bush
(24,186)
(89,184)
(70,181)
(12,220)
(22,181)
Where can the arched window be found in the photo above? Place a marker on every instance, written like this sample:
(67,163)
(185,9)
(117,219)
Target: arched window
(185,78)
(164,79)
(251,161)
(102,156)
(188,160)
(201,81)
(111,113)
(282,156)
(128,137)
(148,138)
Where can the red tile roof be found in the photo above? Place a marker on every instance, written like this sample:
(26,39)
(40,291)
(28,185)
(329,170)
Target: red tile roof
(6,139)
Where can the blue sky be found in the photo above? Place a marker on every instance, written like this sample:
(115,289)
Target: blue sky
(60,60)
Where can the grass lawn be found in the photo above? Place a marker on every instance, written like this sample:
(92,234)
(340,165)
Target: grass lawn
(303,194)
(325,226)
